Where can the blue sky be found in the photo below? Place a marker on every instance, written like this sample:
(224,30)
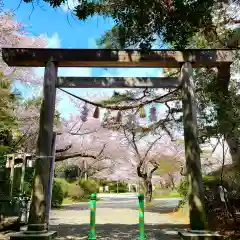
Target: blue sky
(64,31)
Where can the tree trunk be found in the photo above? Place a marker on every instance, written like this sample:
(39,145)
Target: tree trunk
(148,188)
(229,127)
(171,181)
(234,147)
(147,181)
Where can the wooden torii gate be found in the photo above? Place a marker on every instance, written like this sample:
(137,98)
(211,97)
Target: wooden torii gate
(51,59)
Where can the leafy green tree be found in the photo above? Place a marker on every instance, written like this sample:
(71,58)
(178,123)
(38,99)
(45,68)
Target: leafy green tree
(139,22)
(7,119)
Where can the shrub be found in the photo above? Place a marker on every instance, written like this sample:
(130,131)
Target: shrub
(183,187)
(28,181)
(57,194)
(89,186)
(71,173)
(210,183)
(121,187)
(64,185)
(75,192)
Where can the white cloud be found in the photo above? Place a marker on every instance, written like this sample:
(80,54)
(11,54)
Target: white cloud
(92,43)
(54,41)
(69,5)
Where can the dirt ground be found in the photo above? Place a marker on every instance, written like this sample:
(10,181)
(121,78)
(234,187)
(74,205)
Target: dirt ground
(117,224)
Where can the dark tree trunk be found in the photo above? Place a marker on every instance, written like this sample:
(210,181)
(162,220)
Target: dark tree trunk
(234,147)
(147,181)
(229,127)
(171,181)
(148,188)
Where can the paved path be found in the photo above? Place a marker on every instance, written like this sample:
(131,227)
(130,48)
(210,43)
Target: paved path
(117,218)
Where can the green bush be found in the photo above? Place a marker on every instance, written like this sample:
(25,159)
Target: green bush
(75,192)
(57,194)
(64,185)
(71,173)
(183,187)
(120,187)
(89,186)
(27,188)
(28,181)
(209,182)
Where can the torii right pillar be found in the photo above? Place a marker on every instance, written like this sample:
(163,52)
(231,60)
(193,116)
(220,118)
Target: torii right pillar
(197,212)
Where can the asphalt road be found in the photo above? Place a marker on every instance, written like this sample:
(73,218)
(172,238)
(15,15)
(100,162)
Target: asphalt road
(117,218)
(128,200)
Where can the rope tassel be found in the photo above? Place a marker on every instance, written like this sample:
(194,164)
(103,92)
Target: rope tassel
(153,114)
(96,113)
(142,113)
(84,113)
(119,117)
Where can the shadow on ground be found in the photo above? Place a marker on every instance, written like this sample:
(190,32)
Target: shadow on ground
(160,209)
(118,231)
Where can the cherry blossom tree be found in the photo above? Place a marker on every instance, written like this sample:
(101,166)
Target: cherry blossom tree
(94,149)
(140,140)
(14,34)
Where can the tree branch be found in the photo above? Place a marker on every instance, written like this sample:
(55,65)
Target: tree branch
(153,170)
(64,149)
(74,155)
(151,146)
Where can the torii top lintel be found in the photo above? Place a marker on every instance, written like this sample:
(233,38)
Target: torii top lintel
(37,57)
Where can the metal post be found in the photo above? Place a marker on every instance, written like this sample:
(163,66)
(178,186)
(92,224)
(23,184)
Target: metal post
(141,217)
(92,233)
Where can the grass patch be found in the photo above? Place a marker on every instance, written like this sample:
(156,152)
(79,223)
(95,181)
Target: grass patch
(173,194)
(70,201)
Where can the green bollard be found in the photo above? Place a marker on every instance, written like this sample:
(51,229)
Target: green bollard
(92,233)
(141,217)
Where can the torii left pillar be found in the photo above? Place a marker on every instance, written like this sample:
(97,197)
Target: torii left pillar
(37,228)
